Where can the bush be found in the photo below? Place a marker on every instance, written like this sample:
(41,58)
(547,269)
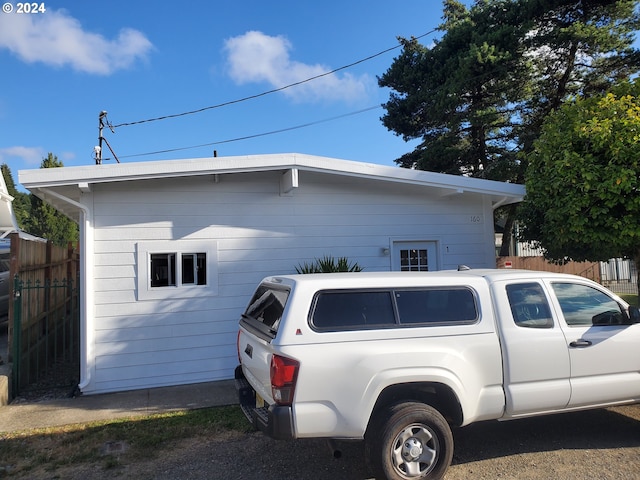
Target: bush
(328,264)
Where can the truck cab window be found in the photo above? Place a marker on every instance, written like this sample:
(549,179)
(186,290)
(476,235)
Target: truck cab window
(529,305)
(584,305)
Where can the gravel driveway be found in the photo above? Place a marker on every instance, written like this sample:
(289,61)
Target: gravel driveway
(600,444)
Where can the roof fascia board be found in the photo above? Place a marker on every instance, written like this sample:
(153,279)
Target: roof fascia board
(94,174)
(454,184)
(83,176)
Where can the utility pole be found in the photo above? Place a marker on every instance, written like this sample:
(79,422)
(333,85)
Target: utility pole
(102,121)
(98,149)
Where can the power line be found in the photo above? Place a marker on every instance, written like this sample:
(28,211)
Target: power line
(247,137)
(252,97)
(112,127)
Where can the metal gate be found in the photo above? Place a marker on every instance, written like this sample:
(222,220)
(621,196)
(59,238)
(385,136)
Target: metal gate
(46,332)
(620,275)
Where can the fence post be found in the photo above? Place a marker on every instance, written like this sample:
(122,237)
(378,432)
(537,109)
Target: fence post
(13,271)
(17,335)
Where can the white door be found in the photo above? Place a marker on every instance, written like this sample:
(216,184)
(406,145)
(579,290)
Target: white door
(603,348)
(414,256)
(537,369)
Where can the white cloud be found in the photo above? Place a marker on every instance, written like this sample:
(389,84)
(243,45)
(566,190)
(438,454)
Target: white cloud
(31,156)
(57,39)
(256,57)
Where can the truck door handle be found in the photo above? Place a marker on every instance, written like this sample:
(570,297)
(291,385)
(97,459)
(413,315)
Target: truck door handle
(581,343)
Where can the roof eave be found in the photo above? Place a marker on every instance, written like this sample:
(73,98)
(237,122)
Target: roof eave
(83,177)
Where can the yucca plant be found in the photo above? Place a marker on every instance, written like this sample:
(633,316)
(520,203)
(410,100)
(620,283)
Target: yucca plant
(328,264)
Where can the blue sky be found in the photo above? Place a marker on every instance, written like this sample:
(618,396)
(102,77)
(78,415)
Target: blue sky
(143,60)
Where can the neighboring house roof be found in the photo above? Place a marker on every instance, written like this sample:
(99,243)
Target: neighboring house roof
(62,187)
(8,222)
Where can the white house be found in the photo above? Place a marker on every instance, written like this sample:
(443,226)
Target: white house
(172,250)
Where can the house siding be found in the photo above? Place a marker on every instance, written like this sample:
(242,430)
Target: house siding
(258,232)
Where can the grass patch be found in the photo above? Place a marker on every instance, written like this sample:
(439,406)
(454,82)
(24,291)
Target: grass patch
(108,442)
(630,299)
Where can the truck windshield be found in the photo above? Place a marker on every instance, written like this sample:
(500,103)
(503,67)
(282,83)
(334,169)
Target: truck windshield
(265,308)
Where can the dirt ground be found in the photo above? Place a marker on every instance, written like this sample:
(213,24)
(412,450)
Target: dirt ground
(602,444)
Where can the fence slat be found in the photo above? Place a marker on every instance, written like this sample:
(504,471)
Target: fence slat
(617,275)
(44,316)
(589,270)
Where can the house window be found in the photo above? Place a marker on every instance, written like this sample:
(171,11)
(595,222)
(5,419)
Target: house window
(176,269)
(163,269)
(165,274)
(194,268)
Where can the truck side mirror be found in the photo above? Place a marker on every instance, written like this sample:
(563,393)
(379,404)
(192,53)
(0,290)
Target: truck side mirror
(634,314)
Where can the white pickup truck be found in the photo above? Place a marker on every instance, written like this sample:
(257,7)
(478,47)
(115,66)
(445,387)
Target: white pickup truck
(397,359)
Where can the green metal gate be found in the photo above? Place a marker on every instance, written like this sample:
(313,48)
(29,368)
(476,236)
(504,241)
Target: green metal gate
(46,333)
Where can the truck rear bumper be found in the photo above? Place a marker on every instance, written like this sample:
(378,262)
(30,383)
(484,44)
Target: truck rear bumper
(276,421)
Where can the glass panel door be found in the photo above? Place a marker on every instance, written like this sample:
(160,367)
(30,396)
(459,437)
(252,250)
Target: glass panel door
(414,256)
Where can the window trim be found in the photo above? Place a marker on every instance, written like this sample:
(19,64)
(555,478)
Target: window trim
(145,249)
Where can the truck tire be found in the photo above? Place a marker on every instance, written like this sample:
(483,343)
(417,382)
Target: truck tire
(409,441)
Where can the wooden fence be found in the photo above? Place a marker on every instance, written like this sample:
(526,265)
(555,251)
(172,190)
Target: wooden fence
(43,309)
(589,270)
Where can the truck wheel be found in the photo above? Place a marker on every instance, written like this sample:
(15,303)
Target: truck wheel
(409,441)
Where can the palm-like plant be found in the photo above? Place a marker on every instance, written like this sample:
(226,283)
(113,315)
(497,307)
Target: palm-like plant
(328,264)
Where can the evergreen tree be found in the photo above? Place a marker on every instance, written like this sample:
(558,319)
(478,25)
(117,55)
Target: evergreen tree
(478,97)
(457,95)
(46,221)
(574,48)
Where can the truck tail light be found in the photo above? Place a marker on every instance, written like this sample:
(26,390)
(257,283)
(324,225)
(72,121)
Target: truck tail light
(284,373)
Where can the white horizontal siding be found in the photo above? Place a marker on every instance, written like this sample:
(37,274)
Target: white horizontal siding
(215,308)
(293,220)
(161,372)
(166,336)
(258,232)
(190,318)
